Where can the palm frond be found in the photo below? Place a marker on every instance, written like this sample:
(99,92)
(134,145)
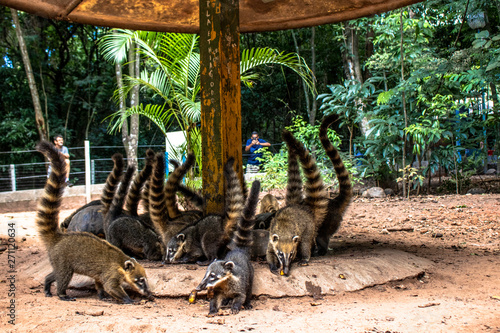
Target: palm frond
(156,113)
(255,57)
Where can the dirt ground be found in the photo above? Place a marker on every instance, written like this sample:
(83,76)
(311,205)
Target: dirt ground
(460,293)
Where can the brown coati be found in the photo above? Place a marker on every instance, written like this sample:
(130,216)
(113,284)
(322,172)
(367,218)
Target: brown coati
(166,226)
(128,232)
(293,229)
(209,237)
(231,279)
(269,204)
(90,217)
(338,205)
(81,252)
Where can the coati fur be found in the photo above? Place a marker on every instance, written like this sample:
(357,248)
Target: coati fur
(338,205)
(90,217)
(294,228)
(192,196)
(127,232)
(209,237)
(134,193)
(231,278)
(166,226)
(81,252)
(269,204)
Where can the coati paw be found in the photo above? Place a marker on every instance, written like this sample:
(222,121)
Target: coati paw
(304,263)
(247,306)
(67,298)
(235,310)
(275,271)
(48,294)
(212,314)
(129,300)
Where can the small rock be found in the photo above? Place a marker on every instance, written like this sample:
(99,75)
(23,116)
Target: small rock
(437,235)
(476,190)
(385,232)
(490,172)
(374,192)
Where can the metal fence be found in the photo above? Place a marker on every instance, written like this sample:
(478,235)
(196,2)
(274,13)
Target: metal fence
(29,176)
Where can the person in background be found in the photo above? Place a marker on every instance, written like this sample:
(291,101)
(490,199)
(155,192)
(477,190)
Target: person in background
(59,143)
(253,144)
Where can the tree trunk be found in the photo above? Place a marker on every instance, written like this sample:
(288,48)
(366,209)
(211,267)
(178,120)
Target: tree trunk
(304,86)
(314,106)
(40,121)
(369,48)
(352,67)
(130,131)
(403,100)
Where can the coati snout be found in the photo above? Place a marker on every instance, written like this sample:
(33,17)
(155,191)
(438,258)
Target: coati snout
(285,251)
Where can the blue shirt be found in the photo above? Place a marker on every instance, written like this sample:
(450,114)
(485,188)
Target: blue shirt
(253,155)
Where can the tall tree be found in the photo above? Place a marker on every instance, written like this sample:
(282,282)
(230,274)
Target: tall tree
(40,121)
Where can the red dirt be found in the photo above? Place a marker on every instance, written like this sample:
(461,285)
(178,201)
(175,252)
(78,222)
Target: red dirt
(460,293)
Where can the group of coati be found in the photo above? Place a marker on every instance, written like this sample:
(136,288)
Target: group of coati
(102,238)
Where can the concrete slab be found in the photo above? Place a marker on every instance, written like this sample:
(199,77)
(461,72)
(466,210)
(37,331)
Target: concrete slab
(325,275)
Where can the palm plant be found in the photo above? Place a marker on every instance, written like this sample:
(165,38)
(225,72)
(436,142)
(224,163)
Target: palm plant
(172,72)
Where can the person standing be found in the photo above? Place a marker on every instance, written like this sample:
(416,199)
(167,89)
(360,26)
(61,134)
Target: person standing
(59,143)
(254,144)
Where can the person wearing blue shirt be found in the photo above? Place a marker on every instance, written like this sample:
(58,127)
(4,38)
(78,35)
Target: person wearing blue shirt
(253,144)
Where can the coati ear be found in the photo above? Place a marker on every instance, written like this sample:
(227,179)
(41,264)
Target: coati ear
(229,265)
(181,237)
(130,264)
(275,238)
(296,239)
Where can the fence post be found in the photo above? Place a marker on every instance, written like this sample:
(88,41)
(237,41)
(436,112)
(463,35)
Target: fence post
(13,177)
(87,171)
(92,167)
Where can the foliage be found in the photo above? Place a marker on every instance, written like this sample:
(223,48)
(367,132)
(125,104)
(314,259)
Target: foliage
(276,166)
(412,177)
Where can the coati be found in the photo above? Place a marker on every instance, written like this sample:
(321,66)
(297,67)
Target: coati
(269,204)
(134,193)
(294,227)
(338,205)
(166,226)
(231,279)
(81,252)
(90,217)
(127,232)
(208,237)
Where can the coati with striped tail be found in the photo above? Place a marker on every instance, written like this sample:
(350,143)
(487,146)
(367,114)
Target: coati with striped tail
(338,205)
(294,227)
(209,237)
(166,226)
(128,232)
(81,252)
(90,217)
(231,279)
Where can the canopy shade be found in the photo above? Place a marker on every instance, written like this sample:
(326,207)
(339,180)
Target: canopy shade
(183,15)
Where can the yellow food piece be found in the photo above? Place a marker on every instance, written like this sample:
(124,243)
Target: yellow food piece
(282,273)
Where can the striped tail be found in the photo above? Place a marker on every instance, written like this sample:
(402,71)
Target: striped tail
(345,187)
(315,193)
(134,193)
(111,182)
(188,193)
(47,219)
(172,184)
(243,236)
(157,208)
(234,200)
(116,208)
(294,185)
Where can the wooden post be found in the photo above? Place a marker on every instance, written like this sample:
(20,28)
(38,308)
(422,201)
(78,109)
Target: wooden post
(220,96)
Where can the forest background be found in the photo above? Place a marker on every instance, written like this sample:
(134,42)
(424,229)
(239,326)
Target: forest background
(412,85)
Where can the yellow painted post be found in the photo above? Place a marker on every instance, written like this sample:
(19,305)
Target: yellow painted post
(220,96)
